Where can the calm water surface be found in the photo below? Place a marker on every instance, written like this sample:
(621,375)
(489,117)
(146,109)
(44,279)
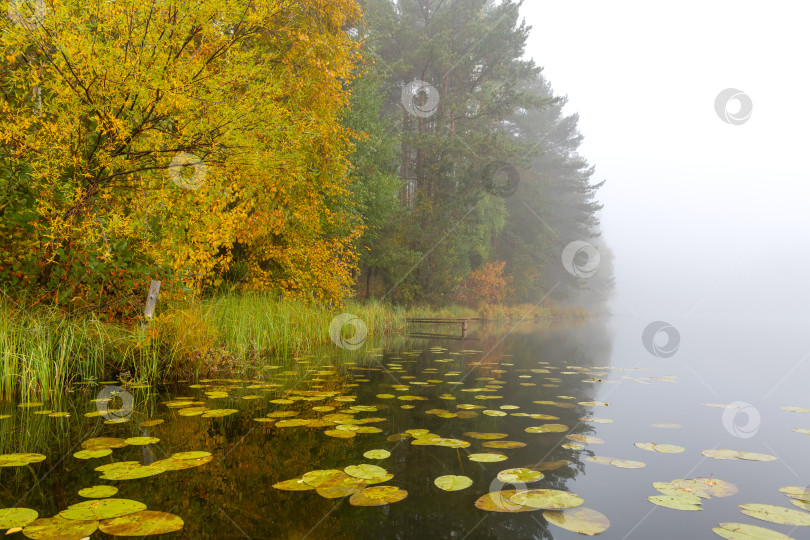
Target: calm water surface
(757,366)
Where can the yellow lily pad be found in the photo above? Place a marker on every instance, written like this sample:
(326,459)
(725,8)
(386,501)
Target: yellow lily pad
(100,443)
(141,441)
(134,473)
(377,454)
(616,462)
(173,463)
(586,439)
(547,428)
(365,471)
(317,477)
(378,496)
(547,499)
(294,484)
(579,520)
(776,514)
(485,436)
(743,531)
(661,448)
(59,527)
(499,501)
(795,409)
(16,517)
(285,414)
(218,413)
(339,434)
(452,482)
(143,523)
(487,457)
(519,475)
(677,502)
(19,460)
(722,453)
(102,509)
(503,444)
(340,486)
(98,492)
(151,423)
(295,422)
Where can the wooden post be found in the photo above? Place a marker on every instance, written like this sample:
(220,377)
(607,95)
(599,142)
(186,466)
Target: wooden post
(151,299)
(464,328)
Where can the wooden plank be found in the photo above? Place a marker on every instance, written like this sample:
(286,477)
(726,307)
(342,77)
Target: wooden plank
(151,299)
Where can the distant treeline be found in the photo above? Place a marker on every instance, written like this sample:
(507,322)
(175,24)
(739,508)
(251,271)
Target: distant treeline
(319,149)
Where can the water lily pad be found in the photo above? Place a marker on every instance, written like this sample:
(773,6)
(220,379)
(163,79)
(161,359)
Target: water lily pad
(579,520)
(487,457)
(218,413)
(378,496)
(19,460)
(192,411)
(294,484)
(677,502)
(134,473)
(339,434)
(317,477)
(98,492)
(803,431)
(573,446)
(503,444)
(100,443)
(550,465)
(743,531)
(794,492)
(173,463)
(722,453)
(141,441)
(295,422)
(499,501)
(519,475)
(547,499)
(117,466)
(795,409)
(285,414)
(616,462)
(365,471)
(193,454)
(776,514)
(16,517)
(452,482)
(144,523)
(340,486)
(60,528)
(151,423)
(662,448)
(485,436)
(377,454)
(547,428)
(586,439)
(102,509)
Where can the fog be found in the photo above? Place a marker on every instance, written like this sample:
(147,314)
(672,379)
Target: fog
(704,218)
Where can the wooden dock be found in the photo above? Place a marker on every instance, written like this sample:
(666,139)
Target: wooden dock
(462,322)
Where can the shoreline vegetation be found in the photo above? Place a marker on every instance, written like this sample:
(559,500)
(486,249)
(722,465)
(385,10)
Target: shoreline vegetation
(43,350)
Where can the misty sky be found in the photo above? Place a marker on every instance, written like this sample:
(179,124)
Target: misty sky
(704,218)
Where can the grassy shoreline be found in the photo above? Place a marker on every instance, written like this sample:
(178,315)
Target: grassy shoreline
(42,350)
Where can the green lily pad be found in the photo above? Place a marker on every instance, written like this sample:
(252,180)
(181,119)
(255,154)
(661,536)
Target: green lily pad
(174,463)
(776,514)
(722,453)
(20,460)
(709,486)
(60,528)
(452,482)
(117,466)
(487,457)
(318,477)
(677,502)
(295,422)
(579,520)
(218,413)
(98,492)
(16,517)
(134,473)
(377,454)
(339,433)
(519,475)
(378,496)
(547,428)
(499,501)
(99,443)
(340,486)
(141,441)
(485,436)
(194,454)
(616,462)
(743,531)
(547,499)
(662,448)
(102,509)
(144,523)
(505,445)
(90,454)
(365,471)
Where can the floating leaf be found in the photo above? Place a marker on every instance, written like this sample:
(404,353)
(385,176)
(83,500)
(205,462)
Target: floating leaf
(98,492)
(661,448)
(218,413)
(378,496)
(141,441)
(579,520)
(743,531)
(550,465)
(19,460)
(173,463)
(61,528)
(341,486)
(144,523)
(16,517)
(616,462)
(722,453)
(503,444)
(295,422)
(573,446)
(519,475)
(487,457)
(795,409)
(377,454)
(102,509)
(776,514)
(547,428)
(803,431)
(485,436)
(547,499)
(365,471)
(317,477)
(677,502)
(339,434)
(499,501)
(587,439)
(151,423)
(452,482)
(134,473)
(295,484)
(100,443)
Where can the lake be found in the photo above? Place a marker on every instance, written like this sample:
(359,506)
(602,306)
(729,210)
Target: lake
(444,407)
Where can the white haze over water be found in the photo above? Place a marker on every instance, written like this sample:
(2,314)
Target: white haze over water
(705,219)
